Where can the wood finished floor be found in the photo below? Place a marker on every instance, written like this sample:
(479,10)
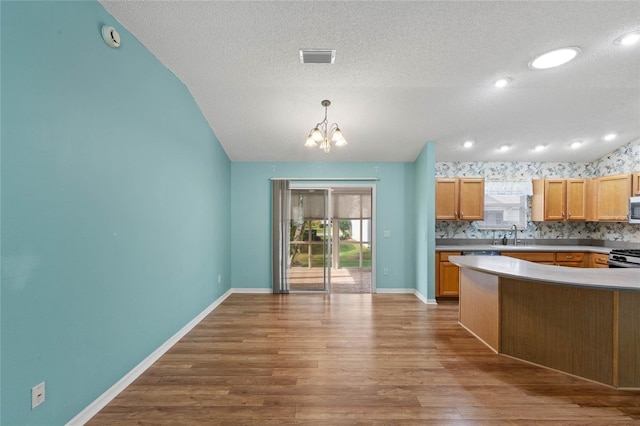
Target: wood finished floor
(352,359)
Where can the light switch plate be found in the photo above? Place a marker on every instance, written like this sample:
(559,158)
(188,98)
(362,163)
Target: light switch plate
(387,234)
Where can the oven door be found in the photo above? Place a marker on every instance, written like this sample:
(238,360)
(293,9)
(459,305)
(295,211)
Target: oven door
(634,209)
(617,264)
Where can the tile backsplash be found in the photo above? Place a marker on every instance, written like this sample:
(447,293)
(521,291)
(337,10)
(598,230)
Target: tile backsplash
(623,160)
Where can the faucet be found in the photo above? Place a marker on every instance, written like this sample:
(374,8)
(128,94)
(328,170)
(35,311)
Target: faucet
(515,234)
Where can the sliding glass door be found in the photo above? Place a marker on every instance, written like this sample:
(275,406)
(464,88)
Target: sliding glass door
(310,236)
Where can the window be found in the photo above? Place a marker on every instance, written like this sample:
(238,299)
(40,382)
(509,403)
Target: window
(505,204)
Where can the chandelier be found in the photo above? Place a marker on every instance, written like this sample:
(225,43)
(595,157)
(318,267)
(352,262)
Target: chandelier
(325,135)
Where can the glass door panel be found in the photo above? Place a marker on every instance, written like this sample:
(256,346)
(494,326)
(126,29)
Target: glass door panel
(310,240)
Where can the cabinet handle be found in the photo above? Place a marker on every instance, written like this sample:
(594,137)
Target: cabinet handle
(562,214)
(568,215)
(461,214)
(568,257)
(455,213)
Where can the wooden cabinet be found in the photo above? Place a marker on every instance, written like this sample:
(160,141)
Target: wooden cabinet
(459,199)
(572,259)
(635,183)
(547,258)
(597,260)
(559,199)
(612,198)
(447,275)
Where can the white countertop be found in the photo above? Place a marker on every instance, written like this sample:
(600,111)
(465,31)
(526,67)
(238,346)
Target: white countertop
(503,266)
(524,248)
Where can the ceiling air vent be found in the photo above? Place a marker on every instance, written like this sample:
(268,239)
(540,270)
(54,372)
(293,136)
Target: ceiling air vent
(317,56)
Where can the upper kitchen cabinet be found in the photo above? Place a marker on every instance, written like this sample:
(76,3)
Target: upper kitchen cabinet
(459,199)
(611,198)
(559,199)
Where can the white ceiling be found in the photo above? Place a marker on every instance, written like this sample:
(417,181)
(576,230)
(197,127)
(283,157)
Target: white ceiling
(405,73)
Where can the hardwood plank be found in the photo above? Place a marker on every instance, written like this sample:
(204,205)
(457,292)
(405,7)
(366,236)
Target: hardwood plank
(352,359)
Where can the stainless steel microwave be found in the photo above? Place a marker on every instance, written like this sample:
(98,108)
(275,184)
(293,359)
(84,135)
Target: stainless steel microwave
(634,209)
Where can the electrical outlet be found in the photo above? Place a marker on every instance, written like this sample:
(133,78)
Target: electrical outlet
(37,395)
(219,278)
(385,271)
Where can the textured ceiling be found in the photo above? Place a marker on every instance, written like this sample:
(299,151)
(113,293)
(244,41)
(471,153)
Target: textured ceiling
(405,73)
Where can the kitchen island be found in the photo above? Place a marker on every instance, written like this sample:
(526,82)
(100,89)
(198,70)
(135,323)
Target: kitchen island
(585,322)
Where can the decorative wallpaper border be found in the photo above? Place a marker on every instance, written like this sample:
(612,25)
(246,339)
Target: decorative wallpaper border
(625,159)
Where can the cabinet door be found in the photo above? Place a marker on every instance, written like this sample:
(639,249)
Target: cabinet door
(576,199)
(449,280)
(555,191)
(471,198)
(447,275)
(636,183)
(446,199)
(612,199)
(591,199)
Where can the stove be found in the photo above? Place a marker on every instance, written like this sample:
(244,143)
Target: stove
(624,258)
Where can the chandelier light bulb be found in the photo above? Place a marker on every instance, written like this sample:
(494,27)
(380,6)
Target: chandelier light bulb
(310,142)
(316,135)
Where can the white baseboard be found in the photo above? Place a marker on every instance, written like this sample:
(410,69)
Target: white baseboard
(424,299)
(92,409)
(252,290)
(396,290)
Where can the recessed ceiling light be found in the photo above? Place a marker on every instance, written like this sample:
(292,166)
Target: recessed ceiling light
(504,148)
(609,137)
(576,144)
(539,148)
(502,82)
(468,144)
(628,39)
(555,58)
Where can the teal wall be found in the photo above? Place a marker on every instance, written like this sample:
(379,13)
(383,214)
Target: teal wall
(251,212)
(115,210)
(425,221)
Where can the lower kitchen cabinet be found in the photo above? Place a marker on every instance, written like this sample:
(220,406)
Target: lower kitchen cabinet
(572,259)
(597,260)
(447,276)
(547,258)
